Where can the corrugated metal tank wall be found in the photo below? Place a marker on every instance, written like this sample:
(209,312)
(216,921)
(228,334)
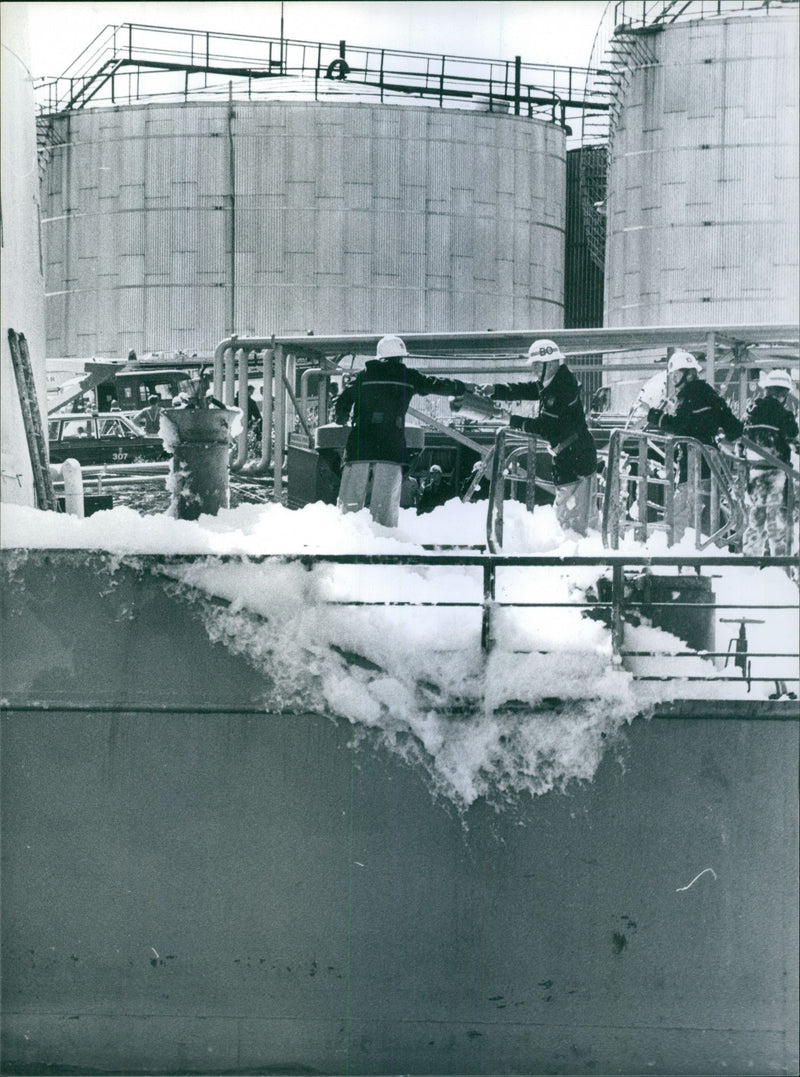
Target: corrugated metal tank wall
(703,181)
(22,294)
(348,218)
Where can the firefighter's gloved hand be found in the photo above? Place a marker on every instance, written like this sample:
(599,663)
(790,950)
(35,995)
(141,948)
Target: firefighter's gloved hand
(517,422)
(654,416)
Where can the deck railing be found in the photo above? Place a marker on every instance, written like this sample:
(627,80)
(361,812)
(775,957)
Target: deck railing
(134,62)
(621,599)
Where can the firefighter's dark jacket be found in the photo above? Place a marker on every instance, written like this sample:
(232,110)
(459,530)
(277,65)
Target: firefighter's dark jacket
(700,413)
(771,425)
(379,398)
(561,421)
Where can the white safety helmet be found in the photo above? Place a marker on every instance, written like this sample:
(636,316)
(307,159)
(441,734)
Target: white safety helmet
(778,379)
(543,351)
(391,347)
(680,360)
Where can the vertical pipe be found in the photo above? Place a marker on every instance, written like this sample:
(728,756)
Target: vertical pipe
(742,391)
(232,203)
(711,358)
(281,67)
(230,378)
(242,358)
(220,358)
(266,406)
(279,422)
(322,399)
(517,82)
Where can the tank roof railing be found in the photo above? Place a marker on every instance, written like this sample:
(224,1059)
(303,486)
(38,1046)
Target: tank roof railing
(637,14)
(131,63)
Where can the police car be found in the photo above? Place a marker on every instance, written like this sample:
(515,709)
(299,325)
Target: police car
(94,438)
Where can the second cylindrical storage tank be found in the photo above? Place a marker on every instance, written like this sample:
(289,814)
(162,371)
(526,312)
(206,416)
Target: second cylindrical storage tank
(170,226)
(703,180)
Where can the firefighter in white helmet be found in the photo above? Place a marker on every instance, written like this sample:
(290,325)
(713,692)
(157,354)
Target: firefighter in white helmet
(772,426)
(695,410)
(562,422)
(378,399)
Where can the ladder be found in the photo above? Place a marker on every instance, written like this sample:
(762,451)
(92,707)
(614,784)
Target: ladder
(32,420)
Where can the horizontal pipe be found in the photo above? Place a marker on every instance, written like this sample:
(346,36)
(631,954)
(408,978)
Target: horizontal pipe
(749,710)
(590,340)
(454,560)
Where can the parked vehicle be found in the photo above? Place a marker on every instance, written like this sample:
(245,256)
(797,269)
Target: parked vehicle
(128,385)
(101,438)
(132,388)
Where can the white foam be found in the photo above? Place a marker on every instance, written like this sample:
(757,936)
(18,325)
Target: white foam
(536,713)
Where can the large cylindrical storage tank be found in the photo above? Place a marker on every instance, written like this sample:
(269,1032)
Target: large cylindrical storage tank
(22,294)
(171,226)
(703,182)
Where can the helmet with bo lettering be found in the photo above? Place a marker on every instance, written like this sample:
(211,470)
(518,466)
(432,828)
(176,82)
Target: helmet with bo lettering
(543,351)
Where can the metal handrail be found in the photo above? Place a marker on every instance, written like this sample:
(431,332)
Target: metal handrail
(724,486)
(621,601)
(501,459)
(125,54)
(639,15)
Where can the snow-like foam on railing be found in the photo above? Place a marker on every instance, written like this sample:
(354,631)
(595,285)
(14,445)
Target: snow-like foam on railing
(535,713)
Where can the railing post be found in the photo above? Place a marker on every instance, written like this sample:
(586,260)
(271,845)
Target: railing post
(488,599)
(696,494)
(617,602)
(714,512)
(494,512)
(517,83)
(641,491)
(669,491)
(530,485)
